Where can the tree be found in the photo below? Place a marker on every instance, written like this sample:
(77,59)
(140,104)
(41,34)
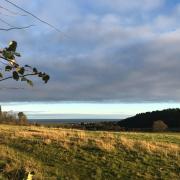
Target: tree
(10,65)
(159,125)
(22,118)
(8,117)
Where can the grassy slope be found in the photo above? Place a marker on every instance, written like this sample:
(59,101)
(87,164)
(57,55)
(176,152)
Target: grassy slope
(70,154)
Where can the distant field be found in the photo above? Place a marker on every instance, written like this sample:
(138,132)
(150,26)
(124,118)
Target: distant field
(54,153)
(64,121)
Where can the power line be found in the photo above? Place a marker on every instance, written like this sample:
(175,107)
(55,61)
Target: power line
(12,12)
(34,16)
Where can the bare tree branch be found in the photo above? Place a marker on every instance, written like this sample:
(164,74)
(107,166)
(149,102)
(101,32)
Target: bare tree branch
(11,77)
(7,59)
(34,16)
(5,22)
(17,72)
(4,14)
(16,28)
(12,26)
(12,12)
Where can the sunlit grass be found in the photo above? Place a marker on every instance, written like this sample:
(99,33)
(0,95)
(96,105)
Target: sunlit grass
(76,154)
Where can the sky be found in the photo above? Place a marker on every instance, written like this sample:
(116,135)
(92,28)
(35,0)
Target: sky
(112,59)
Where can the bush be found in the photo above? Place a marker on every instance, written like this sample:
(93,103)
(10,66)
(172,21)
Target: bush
(22,118)
(159,125)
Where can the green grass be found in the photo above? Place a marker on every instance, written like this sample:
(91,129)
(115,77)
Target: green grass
(54,153)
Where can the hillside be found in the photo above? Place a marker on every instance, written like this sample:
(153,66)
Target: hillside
(171,117)
(55,153)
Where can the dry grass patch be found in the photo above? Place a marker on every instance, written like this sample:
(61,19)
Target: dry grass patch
(16,163)
(78,154)
(151,147)
(108,141)
(106,145)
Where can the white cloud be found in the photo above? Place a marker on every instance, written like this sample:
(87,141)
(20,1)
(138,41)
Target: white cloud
(128,5)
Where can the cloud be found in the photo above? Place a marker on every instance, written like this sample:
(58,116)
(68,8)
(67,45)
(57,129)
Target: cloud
(106,56)
(129,5)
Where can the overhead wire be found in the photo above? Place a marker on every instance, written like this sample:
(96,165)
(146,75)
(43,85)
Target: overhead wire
(34,16)
(11,12)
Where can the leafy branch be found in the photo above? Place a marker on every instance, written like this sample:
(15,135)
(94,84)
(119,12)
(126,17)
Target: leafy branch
(17,72)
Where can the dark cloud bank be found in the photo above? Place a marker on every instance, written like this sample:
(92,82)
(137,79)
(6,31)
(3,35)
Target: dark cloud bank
(102,60)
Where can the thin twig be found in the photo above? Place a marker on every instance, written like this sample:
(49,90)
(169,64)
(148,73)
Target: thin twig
(4,14)
(15,28)
(10,77)
(34,16)
(12,12)
(5,22)
(8,60)
(3,63)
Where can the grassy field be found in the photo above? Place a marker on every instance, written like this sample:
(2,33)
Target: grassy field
(73,154)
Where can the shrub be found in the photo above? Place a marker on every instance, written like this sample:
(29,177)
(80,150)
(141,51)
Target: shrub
(22,118)
(159,125)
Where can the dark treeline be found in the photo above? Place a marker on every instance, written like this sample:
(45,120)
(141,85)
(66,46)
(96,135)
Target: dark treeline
(168,119)
(165,120)
(171,117)
(93,126)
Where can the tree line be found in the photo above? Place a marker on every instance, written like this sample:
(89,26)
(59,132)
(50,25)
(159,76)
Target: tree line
(13,118)
(170,117)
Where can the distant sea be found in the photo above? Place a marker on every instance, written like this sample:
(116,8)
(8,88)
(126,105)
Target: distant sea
(70,121)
